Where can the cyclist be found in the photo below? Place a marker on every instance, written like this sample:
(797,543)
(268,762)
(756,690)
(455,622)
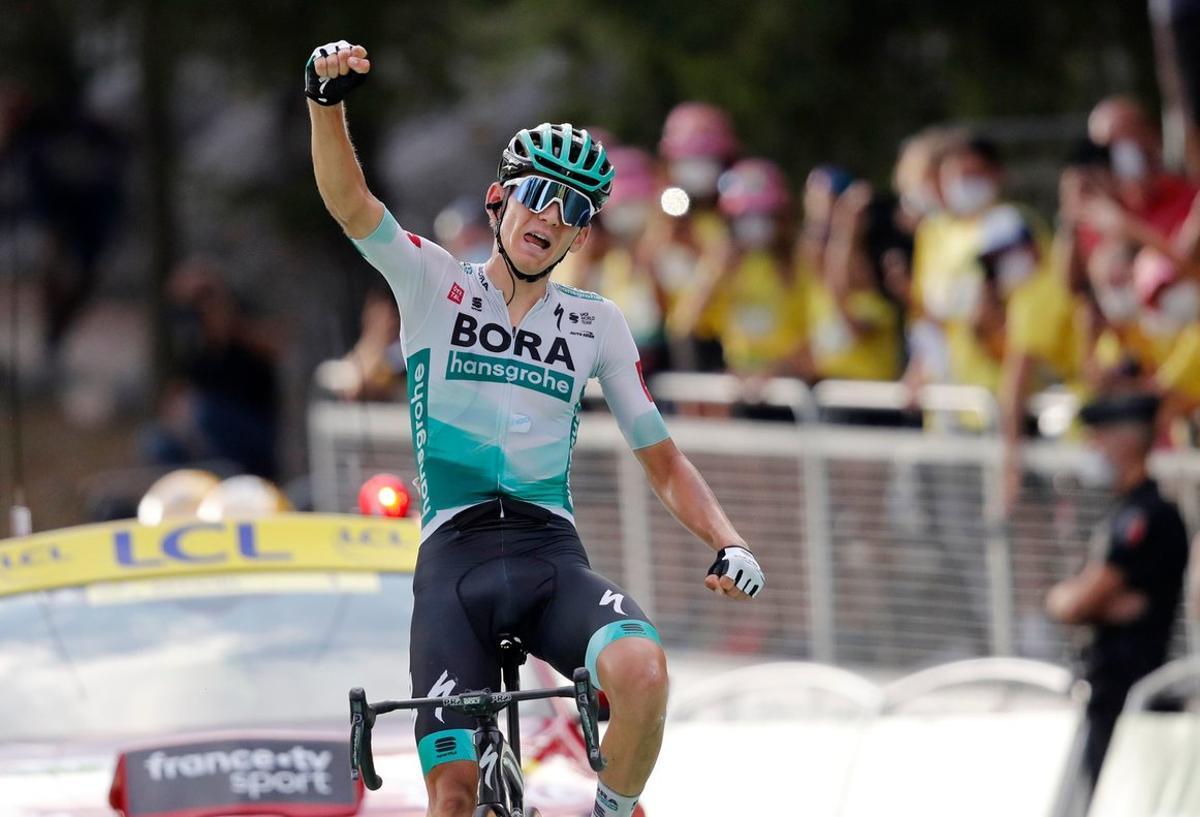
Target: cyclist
(498,357)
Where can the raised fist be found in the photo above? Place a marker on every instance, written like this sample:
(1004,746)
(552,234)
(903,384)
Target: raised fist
(334,70)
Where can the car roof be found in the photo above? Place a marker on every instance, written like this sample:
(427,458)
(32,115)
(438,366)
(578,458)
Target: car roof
(127,549)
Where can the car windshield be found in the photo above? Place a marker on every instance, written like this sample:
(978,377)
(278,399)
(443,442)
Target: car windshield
(163,655)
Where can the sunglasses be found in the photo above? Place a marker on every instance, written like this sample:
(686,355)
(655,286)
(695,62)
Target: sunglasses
(537,193)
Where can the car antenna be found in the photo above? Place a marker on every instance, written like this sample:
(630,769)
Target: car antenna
(20,519)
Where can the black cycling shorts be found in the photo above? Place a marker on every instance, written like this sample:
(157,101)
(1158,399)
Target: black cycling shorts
(482,575)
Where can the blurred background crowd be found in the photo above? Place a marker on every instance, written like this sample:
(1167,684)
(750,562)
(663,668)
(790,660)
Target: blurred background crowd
(851,193)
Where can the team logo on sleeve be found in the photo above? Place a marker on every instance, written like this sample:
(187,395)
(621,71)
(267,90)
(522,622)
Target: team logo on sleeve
(455,294)
(414,238)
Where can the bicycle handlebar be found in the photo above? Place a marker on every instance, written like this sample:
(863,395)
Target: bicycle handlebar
(475,704)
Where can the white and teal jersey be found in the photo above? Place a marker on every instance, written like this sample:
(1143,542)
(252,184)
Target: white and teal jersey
(495,408)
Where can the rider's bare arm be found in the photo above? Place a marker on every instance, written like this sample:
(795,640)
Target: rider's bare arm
(339,176)
(687,496)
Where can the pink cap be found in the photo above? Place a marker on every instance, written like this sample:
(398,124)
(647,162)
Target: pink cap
(753,186)
(698,130)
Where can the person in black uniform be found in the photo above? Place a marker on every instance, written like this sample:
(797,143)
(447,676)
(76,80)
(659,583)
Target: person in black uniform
(1129,597)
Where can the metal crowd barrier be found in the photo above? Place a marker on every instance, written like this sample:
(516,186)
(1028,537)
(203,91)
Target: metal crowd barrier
(885,547)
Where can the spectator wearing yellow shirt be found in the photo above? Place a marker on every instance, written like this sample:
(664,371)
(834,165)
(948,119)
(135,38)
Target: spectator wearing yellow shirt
(1027,314)
(688,234)
(620,272)
(915,180)
(948,281)
(761,323)
(1170,302)
(852,327)
(1123,354)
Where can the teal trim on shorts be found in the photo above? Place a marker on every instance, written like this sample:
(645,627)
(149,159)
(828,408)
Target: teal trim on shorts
(441,747)
(614,631)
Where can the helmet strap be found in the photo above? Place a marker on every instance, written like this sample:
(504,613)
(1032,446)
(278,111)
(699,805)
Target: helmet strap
(512,268)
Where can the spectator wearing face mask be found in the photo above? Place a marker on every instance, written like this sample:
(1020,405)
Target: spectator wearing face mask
(760,316)
(915,176)
(622,270)
(1031,319)
(1122,354)
(915,181)
(948,286)
(1146,205)
(688,234)
(1152,334)
(1170,316)
(853,328)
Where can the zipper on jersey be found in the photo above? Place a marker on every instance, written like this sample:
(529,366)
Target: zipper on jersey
(506,414)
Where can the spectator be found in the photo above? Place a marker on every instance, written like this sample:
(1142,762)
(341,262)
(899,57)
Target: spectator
(915,177)
(71,167)
(623,271)
(375,368)
(697,144)
(1129,597)
(1121,355)
(947,343)
(222,401)
(753,284)
(1027,312)
(853,328)
(1146,204)
(1170,319)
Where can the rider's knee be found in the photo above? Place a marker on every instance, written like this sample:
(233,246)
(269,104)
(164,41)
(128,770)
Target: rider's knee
(634,670)
(452,790)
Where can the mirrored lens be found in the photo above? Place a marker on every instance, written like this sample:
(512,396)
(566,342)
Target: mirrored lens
(537,194)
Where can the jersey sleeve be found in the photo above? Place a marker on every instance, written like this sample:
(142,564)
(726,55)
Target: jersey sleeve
(619,369)
(417,270)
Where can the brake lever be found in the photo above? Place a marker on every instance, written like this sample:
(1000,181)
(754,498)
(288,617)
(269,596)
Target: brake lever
(362,761)
(587,701)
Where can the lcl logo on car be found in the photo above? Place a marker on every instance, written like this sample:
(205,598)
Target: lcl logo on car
(172,547)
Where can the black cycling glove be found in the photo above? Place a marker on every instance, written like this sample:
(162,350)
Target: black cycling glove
(329,91)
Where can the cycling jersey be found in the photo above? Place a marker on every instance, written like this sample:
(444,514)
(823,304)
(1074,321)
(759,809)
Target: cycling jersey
(495,408)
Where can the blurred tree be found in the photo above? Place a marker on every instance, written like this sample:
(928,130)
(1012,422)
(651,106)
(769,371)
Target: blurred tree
(807,81)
